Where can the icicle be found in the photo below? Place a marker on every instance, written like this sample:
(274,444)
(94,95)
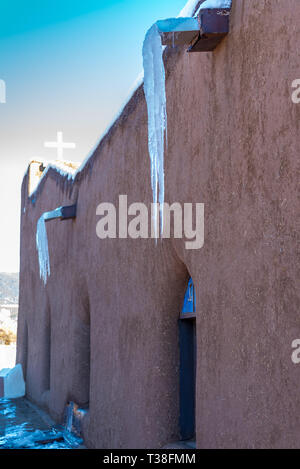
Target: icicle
(70,414)
(155,93)
(42,248)
(42,242)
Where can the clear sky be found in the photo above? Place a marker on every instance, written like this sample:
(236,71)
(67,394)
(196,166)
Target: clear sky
(68,66)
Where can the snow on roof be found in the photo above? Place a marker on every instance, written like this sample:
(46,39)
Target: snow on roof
(178,24)
(215,4)
(39,168)
(189,9)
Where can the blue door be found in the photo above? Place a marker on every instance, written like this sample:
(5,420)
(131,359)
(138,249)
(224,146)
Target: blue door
(187,342)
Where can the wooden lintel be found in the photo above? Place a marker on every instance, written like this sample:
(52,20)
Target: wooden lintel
(178,38)
(188,315)
(68,212)
(61,213)
(214,27)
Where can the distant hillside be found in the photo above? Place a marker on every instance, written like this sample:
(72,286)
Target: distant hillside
(9,288)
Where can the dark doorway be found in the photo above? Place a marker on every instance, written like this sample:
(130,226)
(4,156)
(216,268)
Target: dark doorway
(45,351)
(82,351)
(187,342)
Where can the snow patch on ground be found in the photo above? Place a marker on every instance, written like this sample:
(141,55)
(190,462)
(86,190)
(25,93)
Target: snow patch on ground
(14,385)
(7,356)
(6,322)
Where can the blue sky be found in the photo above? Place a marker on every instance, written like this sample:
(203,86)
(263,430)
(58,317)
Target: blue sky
(68,65)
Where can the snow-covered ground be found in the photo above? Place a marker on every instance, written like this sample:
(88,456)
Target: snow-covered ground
(7,322)
(24,426)
(7,356)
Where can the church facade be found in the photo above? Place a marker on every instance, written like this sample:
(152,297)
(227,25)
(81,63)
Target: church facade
(157,343)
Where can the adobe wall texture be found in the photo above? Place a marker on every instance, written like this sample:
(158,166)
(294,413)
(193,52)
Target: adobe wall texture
(233,144)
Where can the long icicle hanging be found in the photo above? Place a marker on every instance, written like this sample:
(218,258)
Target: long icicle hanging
(42,248)
(155,94)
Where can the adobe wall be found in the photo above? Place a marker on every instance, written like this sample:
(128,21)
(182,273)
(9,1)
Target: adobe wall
(233,145)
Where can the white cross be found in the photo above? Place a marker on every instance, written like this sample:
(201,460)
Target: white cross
(60,145)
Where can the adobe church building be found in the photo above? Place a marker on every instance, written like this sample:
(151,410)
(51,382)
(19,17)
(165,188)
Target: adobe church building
(108,331)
